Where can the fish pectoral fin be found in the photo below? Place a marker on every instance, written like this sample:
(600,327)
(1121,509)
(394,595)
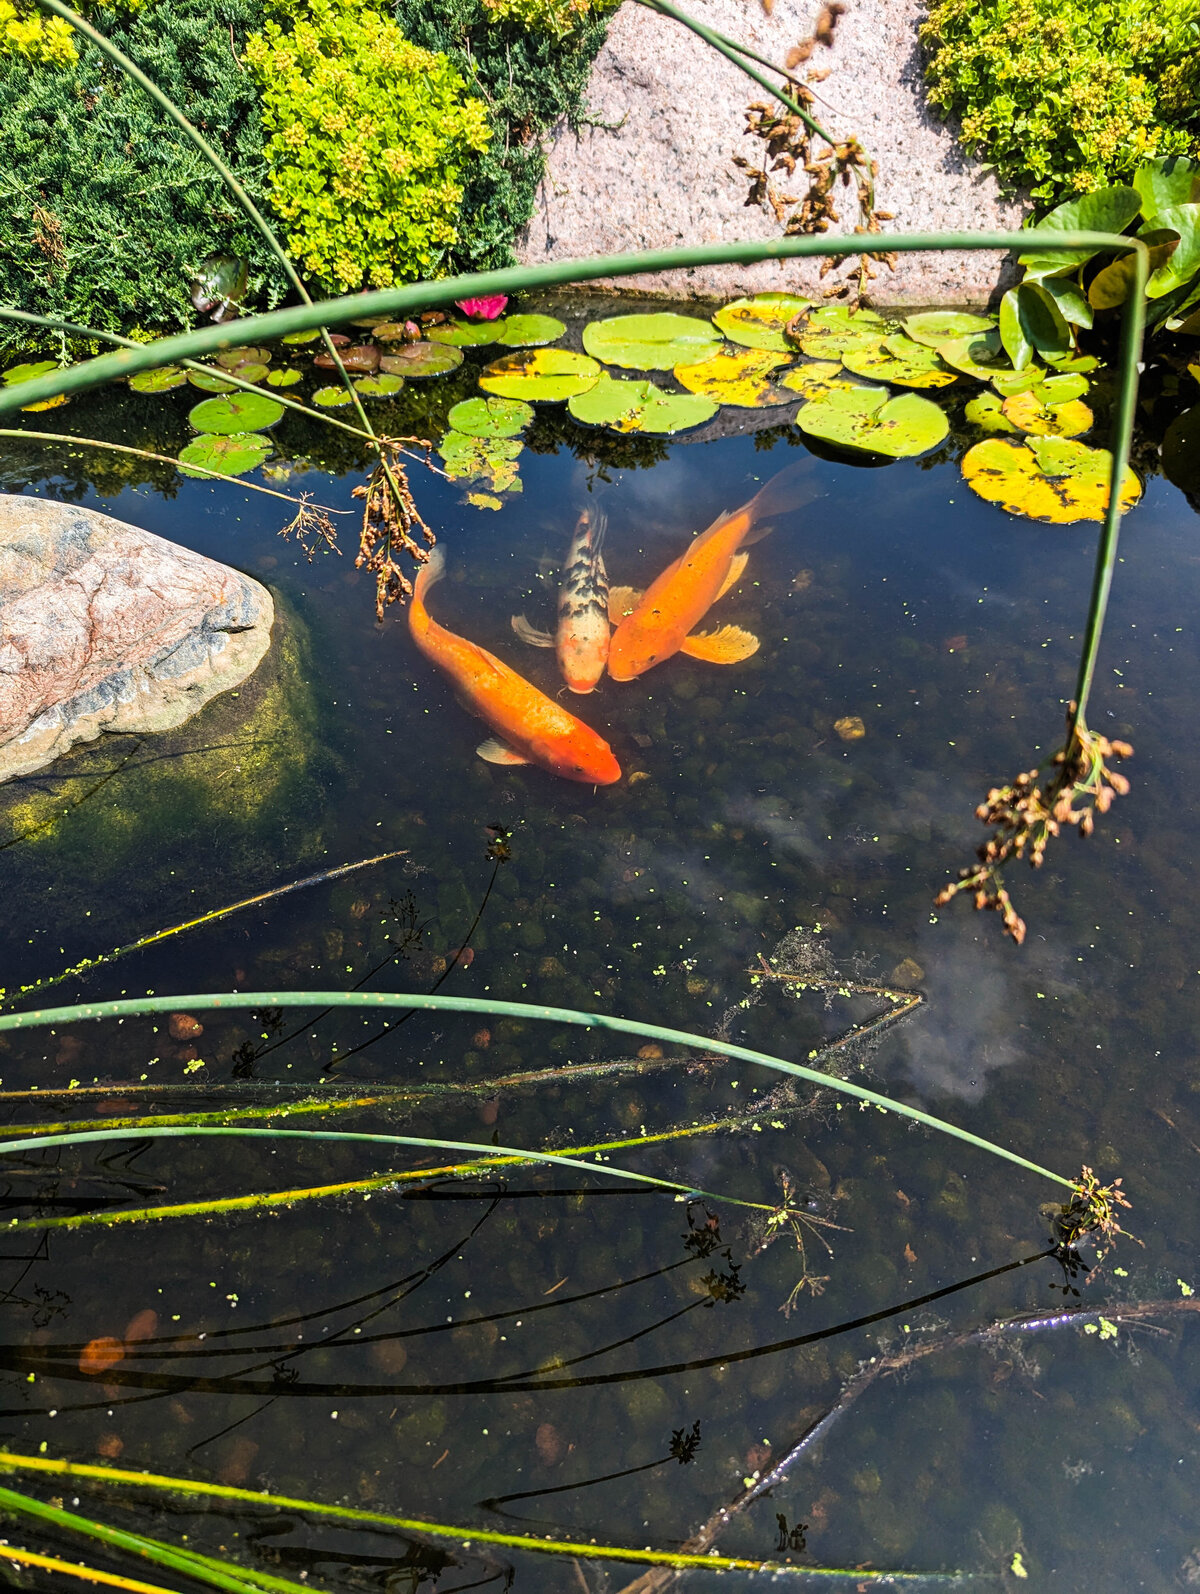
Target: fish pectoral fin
(737,569)
(729,645)
(529,633)
(494,751)
(622,601)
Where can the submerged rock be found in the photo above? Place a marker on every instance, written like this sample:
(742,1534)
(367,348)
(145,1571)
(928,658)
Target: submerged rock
(104,627)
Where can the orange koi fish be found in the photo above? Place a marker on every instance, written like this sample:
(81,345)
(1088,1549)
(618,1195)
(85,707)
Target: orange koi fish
(654,625)
(530,727)
(581,640)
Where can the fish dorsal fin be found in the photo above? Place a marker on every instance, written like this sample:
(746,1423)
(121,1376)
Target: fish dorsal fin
(528,633)
(622,601)
(737,568)
(729,645)
(494,751)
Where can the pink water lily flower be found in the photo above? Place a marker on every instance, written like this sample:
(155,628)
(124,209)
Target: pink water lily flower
(486,309)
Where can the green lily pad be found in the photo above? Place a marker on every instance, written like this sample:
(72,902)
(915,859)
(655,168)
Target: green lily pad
(527,331)
(233,453)
(237,412)
(540,376)
(868,419)
(816,379)
(210,382)
(459,334)
(758,323)
(623,405)
(310,336)
(490,417)
(830,332)
(1054,479)
(379,386)
(234,359)
(284,377)
(651,342)
(980,356)
(250,373)
(161,380)
(900,360)
(938,326)
(28,371)
(491,460)
(331,398)
(420,360)
(1029,413)
(739,377)
(987,412)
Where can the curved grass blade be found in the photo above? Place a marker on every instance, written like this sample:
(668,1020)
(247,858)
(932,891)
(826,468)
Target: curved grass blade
(86,1574)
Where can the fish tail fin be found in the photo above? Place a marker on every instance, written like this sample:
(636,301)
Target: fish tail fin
(791,488)
(430,573)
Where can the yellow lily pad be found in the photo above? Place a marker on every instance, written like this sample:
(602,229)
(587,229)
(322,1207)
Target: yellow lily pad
(758,323)
(540,376)
(1028,413)
(1054,479)
(741,378)
(902,361)
(816,379)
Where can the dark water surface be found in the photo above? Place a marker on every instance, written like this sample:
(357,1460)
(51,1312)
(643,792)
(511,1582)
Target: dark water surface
(518,1352)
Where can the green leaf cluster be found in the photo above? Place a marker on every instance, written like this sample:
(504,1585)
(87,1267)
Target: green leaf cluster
(1064,96)
(367,138)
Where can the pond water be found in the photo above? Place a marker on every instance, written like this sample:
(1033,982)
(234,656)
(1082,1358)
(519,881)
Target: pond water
(537,1351)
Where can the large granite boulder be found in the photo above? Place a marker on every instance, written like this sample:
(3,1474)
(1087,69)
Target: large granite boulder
(107,628)
(652,165)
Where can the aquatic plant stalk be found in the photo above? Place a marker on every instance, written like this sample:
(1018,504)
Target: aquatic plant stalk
(85,1574)
(131,1007)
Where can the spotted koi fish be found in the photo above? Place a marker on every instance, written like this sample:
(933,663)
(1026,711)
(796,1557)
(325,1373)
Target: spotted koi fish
(581,640)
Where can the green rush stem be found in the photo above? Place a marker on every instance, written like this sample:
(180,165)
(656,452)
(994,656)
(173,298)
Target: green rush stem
(404,300)
(139,1007)
(1132,333)
(464,1537)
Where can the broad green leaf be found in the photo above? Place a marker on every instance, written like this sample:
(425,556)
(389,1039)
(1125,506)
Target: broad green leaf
(310,336)
(382,386)
(816,379)
(651,342)
(236,412)
(491,460)
(283,377)
(1045,478)
(234,359)
(540,376)
(902,361)
(1105,210)
(1184,263)
(987,413)
(331,398)
(420,360)
(1062,389)
(758,323)
(741,378)
(937,326)
(1031,322)
(980,356)
(622,405)
(1181,452)
(873,422)
(1110,287)
(828,333)
(459,334)
(162,380)
(250,373)
(1166,182)
(1071,300)
(27,372)
(233,454)
(1012,333)
(1029,413)
(490,417)
(209,382)
(527,331)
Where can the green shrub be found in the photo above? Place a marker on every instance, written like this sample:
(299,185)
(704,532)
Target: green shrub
(368,135)
(107,207)
(1063,96)
(25,31)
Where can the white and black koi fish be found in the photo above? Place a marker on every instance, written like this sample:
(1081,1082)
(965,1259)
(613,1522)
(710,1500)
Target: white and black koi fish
(581,640)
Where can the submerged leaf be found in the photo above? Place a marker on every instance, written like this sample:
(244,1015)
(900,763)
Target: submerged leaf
(650,342)
(541,376)
(527,331)
(869,420)
(629,406)
(233,454)
(758,323)
(237,412)
(741,378)
(1045,478)
(161,380)
(492,460)
(902,361)
(422,359)
(490,417)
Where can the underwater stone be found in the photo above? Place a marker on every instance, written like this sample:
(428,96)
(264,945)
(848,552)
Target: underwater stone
(104,627)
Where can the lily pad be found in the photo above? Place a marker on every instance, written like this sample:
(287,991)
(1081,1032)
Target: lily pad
(234,359)
(237,412)
(250,373)
(868,419)
(491,460)
(1054,479)
(980,356)
(283,377)
(459,334)
(209,382)
(233,454)
(817,378)
(830,332)
(161,380)
(902,361)
(419,360)
(987,412)
(331,398)
(651,342)
(540,376)
(27,372)
(527,331)
(56,401)
(382,386)
(758,323)
(741,378)
(937,326)
(490,417)
(623,405)
(1029,413)
(310,336)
